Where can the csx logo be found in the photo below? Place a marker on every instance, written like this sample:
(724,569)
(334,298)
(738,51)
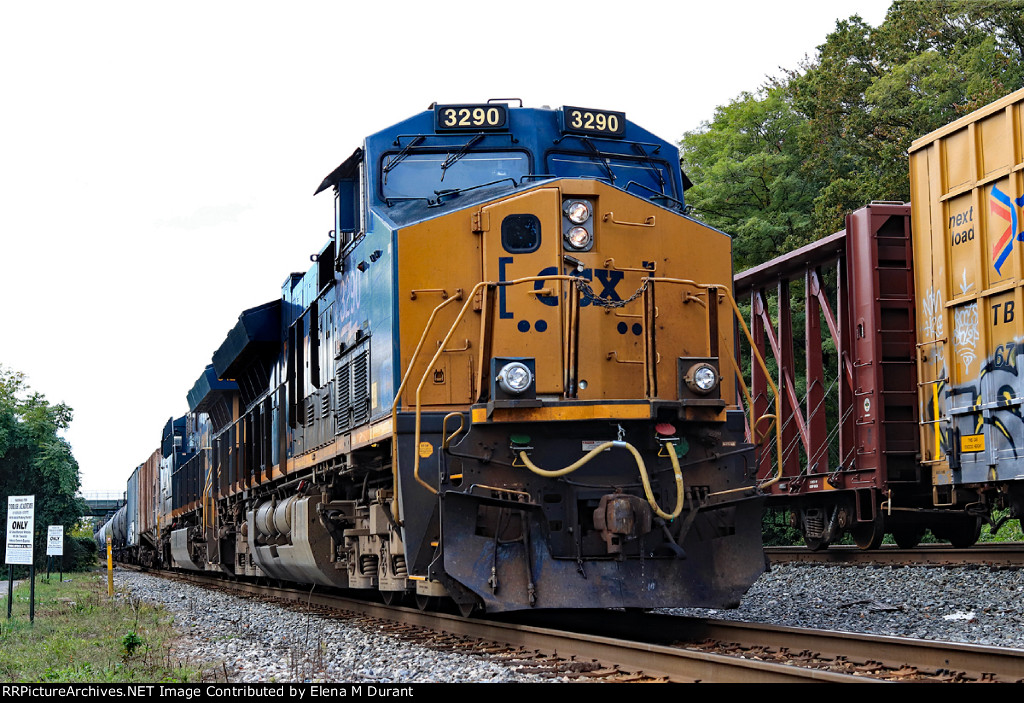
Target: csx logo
(606,279)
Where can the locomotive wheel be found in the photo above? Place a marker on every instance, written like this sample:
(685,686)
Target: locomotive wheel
(816,544)
(907,537)
(868,535)
(391,597)
(427,602)
(467,609)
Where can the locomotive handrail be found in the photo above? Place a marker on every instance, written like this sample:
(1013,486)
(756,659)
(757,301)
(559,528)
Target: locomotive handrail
(610,263)
(444,343)
(398,395)
(447,438)
(609,216)
(754,353)
(207,497)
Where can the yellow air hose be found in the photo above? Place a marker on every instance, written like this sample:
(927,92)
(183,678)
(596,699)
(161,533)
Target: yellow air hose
(640,465)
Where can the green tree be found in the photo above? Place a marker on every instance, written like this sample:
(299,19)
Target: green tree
(748,178)
(35,459)
(870,92)
(782,166)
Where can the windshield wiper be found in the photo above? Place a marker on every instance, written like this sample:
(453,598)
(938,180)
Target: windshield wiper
(597,152)
(442,194)
(655,195)
(651,165)
(463,150)
(400,156)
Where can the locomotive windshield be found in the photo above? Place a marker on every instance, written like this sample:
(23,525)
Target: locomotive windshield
(422,175)
(650,175)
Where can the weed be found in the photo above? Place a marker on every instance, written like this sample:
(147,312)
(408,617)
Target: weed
(130,642)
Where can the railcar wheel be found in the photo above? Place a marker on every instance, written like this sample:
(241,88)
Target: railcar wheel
(391,597)
(868,535)
(964,533)
(907,537)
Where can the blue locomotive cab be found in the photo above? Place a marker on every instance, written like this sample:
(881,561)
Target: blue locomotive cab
(451,150)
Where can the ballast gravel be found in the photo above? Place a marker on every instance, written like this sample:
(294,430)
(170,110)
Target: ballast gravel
(253,641)
(967,604)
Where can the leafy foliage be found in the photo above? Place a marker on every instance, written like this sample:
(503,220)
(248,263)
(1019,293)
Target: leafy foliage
(782,166)
(776,530)
(746,166)
(35,459)
(130,643)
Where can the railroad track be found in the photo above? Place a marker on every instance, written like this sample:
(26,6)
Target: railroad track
(631,646)
(998,554)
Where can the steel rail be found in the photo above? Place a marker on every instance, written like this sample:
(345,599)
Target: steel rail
(996,554)
(933,659)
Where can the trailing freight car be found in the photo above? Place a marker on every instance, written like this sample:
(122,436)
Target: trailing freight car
(923,306)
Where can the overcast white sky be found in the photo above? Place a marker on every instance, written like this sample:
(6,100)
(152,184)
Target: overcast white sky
(158,160)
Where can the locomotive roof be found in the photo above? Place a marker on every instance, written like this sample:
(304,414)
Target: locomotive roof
(539,132)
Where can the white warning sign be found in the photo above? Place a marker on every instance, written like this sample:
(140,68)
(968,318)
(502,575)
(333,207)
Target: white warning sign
(55,541)
(21,512)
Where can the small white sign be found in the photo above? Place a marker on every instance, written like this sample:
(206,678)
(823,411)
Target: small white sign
(55,541)
(21,512)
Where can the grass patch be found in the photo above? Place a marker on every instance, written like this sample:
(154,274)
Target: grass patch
(81,635)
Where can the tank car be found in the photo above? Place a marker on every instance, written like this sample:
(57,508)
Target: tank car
(137,527)
(927,326)
(506,380)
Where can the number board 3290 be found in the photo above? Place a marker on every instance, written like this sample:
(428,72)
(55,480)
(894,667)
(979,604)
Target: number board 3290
(584,120)
(456,118)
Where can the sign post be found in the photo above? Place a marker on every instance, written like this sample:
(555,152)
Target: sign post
(55,548)
(20,530)
(110,570)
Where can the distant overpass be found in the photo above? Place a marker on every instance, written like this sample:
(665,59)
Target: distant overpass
(102,504)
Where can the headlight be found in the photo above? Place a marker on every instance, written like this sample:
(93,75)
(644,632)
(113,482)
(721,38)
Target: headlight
(578,238)
(514,377)
(702,378)
(577,211)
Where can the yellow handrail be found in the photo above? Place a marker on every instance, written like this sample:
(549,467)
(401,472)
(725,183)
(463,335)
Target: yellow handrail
(398,396)
(754,353)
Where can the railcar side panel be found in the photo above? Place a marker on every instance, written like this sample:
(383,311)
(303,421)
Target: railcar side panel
(967,181)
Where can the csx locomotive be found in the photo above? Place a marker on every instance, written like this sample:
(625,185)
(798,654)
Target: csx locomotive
(508,380)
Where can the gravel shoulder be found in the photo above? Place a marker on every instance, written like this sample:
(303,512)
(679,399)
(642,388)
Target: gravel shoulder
(968,604)
(252,641)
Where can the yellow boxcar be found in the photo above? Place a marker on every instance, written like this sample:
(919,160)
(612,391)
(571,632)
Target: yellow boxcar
(967,184)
